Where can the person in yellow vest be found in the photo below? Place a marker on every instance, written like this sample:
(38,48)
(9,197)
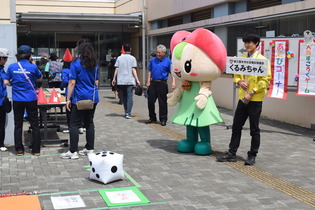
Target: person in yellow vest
(252,90)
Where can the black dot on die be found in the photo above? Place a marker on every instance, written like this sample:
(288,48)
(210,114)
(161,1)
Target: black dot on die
(90,163)
(114,169)
(104,155)
(97,176)
(111,153)
(98,153)
(93,169)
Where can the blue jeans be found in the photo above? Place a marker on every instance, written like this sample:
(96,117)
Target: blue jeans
(127,97)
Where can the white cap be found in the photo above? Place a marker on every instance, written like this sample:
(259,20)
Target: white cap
(4,52)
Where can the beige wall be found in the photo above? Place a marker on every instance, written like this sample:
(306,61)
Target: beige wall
(128,6)
(297,110)
(92,7)
(158,9)
(5,12)
(59,6)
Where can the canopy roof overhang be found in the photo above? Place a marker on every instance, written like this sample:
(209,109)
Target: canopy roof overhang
(134,19)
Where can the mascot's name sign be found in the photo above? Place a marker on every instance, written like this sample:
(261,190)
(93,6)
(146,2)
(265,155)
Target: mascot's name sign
(247,66)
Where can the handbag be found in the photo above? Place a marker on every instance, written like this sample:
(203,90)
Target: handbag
(138,90)
(7,104)
(85,104)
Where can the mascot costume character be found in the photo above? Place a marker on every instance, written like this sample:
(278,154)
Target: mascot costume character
(197,59)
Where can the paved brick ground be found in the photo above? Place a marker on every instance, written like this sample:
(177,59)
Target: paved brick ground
(171,180)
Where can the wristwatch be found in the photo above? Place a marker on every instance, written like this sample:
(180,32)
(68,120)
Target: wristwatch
(251,92)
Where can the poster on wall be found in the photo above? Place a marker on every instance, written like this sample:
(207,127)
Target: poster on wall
(306,82)
(261,47)
(279,69)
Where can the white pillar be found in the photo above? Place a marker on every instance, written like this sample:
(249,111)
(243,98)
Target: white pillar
(9,40)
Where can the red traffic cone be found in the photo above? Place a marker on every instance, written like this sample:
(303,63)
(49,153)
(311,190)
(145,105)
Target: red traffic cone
(67,57)
(122,49)
(41,99)
(54,99)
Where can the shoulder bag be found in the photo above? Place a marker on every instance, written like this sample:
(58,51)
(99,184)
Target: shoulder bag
(87,104)
(27,78)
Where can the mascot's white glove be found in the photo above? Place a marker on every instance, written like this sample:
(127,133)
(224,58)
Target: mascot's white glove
(174,97)
(203,95)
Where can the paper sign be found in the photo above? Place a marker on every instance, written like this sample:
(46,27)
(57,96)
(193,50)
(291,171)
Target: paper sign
(247,66)
(306,85)
(67,202)
(279,62)
(123,196)
(25,202)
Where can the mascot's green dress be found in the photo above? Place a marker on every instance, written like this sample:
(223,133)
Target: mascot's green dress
(197,59)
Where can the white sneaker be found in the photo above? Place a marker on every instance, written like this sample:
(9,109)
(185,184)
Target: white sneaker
(86,151)
(81,130)
(66,131)
(3,149)
(69,155)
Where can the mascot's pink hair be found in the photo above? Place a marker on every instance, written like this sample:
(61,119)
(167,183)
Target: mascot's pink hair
(205,40)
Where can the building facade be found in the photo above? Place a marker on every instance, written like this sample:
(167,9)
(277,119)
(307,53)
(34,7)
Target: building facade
(54,25)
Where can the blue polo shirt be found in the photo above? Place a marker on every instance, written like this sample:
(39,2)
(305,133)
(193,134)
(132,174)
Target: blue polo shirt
(160,69)
(21,88)
(85,87)
(65,80)
(3,88)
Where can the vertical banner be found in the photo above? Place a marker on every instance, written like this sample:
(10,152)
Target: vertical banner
(306,83)
(261,47)
(279,69)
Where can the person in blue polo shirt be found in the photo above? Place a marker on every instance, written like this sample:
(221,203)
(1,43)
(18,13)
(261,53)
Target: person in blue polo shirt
(159,69)
(22,76)
(83,85)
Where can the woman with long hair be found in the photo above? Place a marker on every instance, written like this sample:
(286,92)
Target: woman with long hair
(83,85)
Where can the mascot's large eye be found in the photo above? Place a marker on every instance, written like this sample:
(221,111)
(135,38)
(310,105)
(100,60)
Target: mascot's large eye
(188,66)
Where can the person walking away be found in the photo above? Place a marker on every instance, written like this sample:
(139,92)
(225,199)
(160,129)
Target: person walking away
(252,90)
(4,54)
(83,85)
(54,68)
(22,76)
(126,74)
(111,72)
(158,72)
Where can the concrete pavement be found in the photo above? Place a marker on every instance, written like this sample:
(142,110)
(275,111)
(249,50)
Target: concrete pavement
(282,178)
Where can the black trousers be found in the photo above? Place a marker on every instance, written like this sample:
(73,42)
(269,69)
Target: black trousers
(31,108)
(158,90)
(3,116)
(243,111)
(76,118)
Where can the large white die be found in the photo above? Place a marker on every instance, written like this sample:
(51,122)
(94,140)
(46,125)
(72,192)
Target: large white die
(106,166)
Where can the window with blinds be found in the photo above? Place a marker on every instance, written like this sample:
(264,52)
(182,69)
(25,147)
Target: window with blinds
(175,21)
(201,15)
(259,4)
